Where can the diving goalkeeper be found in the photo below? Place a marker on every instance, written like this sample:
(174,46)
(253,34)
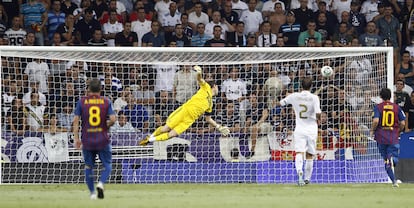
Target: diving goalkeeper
(184,116)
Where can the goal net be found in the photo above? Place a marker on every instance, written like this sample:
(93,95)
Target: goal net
(40,86)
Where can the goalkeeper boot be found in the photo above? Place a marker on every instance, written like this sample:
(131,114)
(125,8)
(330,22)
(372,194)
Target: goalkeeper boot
(145,141)
(100,190)
(306,182)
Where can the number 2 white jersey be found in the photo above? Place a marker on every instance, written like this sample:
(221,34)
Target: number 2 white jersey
(306,106)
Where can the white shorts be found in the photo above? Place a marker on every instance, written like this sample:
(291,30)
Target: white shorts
(305,142)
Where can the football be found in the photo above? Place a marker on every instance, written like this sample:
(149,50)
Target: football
(327,71)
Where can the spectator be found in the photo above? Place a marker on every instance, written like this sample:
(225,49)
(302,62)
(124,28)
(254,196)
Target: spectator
(270,6)
(179,37)
(200,38)
(66,116)
(111,28)
(405,67)
(290,30)
(278,17)
(381,10)
(97,39)
(15,36)
(322,26)
(217,20)
(216,41)
(148,10)
(409,112)
(153,38)
(230,118)
(80,11)
(33,15)
(363,68)
(30,39)
(310,32)
(52,125)
(400,96)
(266,38)
(185,85)
(369,8)
(12,91)
(99,6)
(68,7)
(87,25)
(227,13)
(339,6)
(234,89)
(357,20)
(163,107)
(137,115)
(113,6)
(370,37)
(55,18)
(121,101)
(239,7)
(406,88)
(75,76)
(145,95)
(16,117)
(197,16)
(257,121)
(187,29)
(162,8)
(67,30)
(164,79)
(237,38)
(251,40)
(303,14)
(331,18)
(169,20)
(38,71)
(122,124)
(141,25)
(35,112)
(251,17)
(389,28)
(126,37)
(342,38)
(57,40)
(34,88)
(111,85)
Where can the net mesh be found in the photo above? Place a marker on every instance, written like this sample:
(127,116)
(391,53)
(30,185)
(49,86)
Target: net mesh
(40,87)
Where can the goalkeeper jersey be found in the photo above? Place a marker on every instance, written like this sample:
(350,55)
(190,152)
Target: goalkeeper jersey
(200,102)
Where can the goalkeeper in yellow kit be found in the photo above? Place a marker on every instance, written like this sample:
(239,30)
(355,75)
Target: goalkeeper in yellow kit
(184,116)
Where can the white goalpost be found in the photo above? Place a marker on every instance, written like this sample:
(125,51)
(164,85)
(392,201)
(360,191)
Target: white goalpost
(40,86)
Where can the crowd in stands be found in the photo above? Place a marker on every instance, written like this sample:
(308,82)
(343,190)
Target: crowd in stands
(143,96)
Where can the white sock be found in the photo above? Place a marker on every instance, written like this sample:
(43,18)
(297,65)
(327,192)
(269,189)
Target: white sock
(151,138)
(308,169)
(100,185)
(299,163)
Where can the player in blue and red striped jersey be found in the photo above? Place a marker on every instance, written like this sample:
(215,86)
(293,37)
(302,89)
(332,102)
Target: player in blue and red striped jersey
(388,121)
(97,115)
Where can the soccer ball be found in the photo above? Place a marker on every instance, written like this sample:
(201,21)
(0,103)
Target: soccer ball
(327,71)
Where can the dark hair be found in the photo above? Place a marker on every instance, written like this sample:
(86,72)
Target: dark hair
(385,93)
(306,83)
(95,85)
(211,83)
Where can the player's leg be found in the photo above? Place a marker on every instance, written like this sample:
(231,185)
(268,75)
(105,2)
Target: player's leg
(310,152)
(383,149)
(105,156)
(392,152)
(89,158)
(300,148)
(177,128)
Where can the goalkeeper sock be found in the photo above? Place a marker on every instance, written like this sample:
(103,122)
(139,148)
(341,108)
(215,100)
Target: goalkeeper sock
(308,169)
(162,137)
(89,179)
(157,131)
(299,163)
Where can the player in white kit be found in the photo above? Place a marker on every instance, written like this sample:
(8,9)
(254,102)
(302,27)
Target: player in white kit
(307,112)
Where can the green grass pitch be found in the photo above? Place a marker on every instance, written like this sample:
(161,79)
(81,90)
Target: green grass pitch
(210,195)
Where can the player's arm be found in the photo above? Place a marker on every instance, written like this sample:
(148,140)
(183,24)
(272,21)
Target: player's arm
(375,121)
(112,116)
(224,130)
(75,128)
(199,71)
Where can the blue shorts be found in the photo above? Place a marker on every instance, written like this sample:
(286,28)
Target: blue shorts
(105,155)
(387,150)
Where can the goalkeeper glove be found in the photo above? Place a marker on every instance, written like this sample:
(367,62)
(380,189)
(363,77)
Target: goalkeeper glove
(224,130)
(197,69)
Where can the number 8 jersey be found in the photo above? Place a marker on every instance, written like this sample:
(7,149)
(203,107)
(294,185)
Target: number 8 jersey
(389,115)
(94,111)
